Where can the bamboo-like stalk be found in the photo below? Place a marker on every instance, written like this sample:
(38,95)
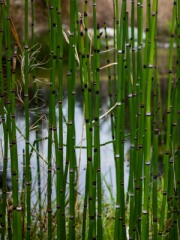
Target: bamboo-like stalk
(36,110)
(23,195)
(97,140)
(148,125)
(110,87)
(178,108)
(123,31)
(138,88)
(165,187)
(94,61)
(171,194)
(115,58)
(70,147)
(155,172)
(49,24)
(28,184)
(118,161)
(90,167)
(60,204)
(131,99)
(19,219)
(88,136)
(54,127)
(14,166)
(82,87)
(5,133)
(6,23)
(154,163)
(49,132)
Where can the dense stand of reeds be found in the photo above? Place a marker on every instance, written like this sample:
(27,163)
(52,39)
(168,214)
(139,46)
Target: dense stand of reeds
(137,213)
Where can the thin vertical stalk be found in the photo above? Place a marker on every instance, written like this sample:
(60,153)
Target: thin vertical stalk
(178,108)
(148,125)
(90,168)
(36,110)
(49,131)
(19,226)
(54,127)
(60,204)
(154,163)
(28,184)
(49,24)
(97,140)
(132,126)
(165,187)
(110,87)
(14,166)
(155,172)
(5,133)
(70,147)
(88,141)
(114,42)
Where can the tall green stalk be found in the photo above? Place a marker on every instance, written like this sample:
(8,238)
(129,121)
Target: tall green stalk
(4,131)
(165,187)
(54,127)
(97,140)
(178,117)
(36,109)
(110,87)
(28,184)
(60,205)
(155,175)
(49,133)
(148,125)
(70,147)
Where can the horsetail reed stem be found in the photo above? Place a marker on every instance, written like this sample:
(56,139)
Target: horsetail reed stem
(28,184)
(89,143)
(154,163)
(23,196)
(90,167)
(70,147)
(110,87)
(36,109)
(95,127)
(132,146)
(19,226)
(123,25)
(79,45)
(148,125)
(81,48)
(168,125)
(8,68)
(60,205)
(49,25)
(178,117)
(14,166)
(138,88)
(118,119)
(114,43)
(5,133)
(97,138)
(133,47)
(54,128)
(49,134)
(155,172)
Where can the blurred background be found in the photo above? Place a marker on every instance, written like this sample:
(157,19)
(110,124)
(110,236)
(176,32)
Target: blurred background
(104,13)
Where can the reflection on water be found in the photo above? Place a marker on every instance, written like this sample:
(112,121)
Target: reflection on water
(107,159)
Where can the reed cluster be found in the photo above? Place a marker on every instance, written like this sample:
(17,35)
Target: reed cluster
(133,81)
